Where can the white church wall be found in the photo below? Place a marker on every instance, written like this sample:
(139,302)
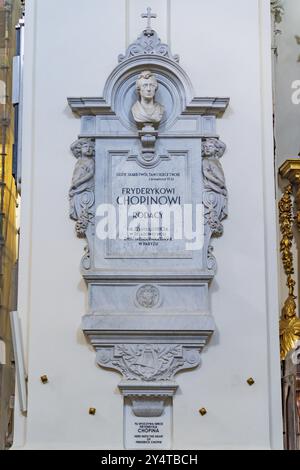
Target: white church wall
(71,47)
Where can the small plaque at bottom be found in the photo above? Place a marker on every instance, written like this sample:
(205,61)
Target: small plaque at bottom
(147,432)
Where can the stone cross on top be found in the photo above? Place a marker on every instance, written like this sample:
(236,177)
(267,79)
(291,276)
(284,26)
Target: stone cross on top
(149,15)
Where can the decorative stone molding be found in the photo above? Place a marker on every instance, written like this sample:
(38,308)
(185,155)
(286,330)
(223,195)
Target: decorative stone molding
(148,399)
(147,159)
(148,408)
(86,259)
(149,362)
(148,43)
(140,389)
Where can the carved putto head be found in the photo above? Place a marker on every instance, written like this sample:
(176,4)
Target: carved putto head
(83,148)
(289,308)
(213,148)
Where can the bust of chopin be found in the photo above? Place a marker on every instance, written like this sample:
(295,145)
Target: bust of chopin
(146,110)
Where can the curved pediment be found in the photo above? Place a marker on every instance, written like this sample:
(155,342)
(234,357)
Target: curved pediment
(175,88)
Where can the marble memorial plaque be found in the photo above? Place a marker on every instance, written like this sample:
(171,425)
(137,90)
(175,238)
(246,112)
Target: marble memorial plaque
(150,205)
(147,432)
(148,151)
(146,193)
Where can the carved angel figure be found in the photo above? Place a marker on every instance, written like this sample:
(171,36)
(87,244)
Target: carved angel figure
(214,178)
(146,110)
(215,191)
(81,194)
(289,326)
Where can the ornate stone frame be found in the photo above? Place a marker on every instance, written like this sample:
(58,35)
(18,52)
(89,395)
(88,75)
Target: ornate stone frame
(148,349)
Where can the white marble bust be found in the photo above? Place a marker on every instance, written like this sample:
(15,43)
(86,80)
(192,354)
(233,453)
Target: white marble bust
(146,110)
